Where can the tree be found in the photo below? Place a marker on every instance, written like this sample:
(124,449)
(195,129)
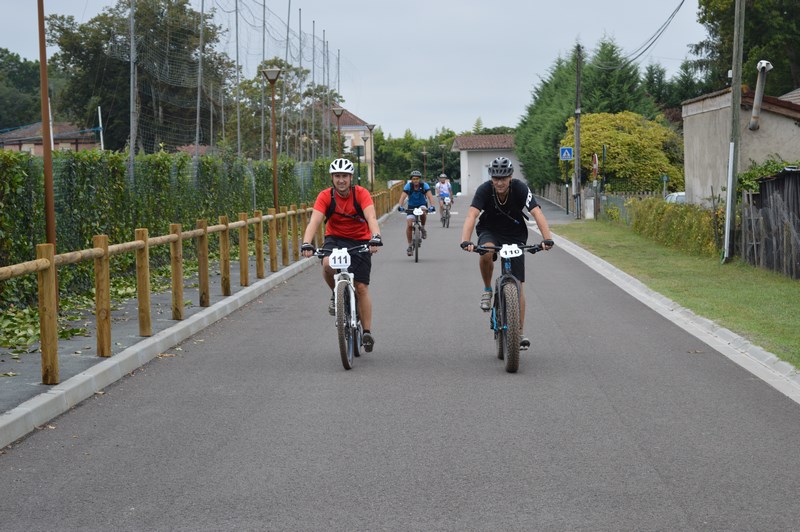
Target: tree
(612,84)
(94,57)
(638,151)
(540,131)
(19,90)
(771,32)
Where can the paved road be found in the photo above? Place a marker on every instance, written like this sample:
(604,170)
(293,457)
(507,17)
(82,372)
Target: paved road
(617,419)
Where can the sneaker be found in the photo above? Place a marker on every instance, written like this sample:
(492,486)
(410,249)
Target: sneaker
(486,300)
(409,251)
(524,343)
(332,306)
(367,341)
(424,233)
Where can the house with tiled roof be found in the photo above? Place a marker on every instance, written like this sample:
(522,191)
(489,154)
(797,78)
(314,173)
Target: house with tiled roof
(477,153)
(706,138)
(66,136)
(354,130)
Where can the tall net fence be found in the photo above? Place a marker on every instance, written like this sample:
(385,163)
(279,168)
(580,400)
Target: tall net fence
(198,83)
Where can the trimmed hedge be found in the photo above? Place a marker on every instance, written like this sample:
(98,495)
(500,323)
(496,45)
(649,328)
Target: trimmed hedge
(690,228)
(94,195)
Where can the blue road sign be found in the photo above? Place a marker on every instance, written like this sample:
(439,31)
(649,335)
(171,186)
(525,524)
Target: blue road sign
(565,154)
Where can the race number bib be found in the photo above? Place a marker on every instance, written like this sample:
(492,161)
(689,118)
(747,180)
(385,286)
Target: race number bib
(339,259)
(447,200)
(509,251)
(418,211)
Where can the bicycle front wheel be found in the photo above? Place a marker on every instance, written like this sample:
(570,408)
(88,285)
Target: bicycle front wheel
(417,239)
(511,326)
(346,335)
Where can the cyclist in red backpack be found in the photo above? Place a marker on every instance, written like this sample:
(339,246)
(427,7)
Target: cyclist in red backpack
(351,220)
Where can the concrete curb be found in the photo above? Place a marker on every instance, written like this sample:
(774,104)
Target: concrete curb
(766,366)
(19,421)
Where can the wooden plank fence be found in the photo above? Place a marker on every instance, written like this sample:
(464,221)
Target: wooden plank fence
(285,226)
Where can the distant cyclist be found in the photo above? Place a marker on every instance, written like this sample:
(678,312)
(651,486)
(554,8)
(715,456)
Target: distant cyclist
(501,203)
(351,221)
(444,190)
(419,195)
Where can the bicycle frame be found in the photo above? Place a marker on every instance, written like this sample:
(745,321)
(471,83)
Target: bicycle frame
(348,321)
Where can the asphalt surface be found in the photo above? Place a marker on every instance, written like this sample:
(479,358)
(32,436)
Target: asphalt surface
(627,413)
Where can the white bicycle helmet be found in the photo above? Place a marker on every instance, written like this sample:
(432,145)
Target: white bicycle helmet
(341,166)
(501,167)
(442,176)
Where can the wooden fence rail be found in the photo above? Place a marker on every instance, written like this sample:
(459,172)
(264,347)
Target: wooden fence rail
(285,226)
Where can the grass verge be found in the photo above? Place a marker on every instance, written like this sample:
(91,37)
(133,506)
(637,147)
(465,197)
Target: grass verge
(757,304)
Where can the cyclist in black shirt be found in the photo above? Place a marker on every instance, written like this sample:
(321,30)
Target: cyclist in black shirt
(498,208)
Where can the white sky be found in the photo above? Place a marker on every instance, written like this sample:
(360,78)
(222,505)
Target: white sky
(427,64)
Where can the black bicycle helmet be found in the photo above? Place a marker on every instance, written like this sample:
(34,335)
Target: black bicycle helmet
(416,173)
(501,167)
(341,166)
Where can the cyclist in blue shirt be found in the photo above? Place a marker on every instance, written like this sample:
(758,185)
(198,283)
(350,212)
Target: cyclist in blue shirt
(419,195)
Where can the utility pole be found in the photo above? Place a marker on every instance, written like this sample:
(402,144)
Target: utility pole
(576,179)
(47,135)
(733,156)
(132,134)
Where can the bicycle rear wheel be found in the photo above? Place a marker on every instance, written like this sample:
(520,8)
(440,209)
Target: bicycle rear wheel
(447,217)
(346,335)
(511,315)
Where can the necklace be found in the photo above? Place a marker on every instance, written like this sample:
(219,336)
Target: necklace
(508,193)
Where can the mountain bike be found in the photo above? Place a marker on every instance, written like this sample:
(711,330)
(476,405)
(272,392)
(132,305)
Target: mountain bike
(416,230)
(504,316)
(446,212)
(348,322)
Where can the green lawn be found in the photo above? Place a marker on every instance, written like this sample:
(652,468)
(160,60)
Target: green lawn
(758,304)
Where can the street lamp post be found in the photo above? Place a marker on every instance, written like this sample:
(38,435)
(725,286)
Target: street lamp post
(365,138)
(424,164)
(371,157)
(442,146)
(338,112)
(272,74)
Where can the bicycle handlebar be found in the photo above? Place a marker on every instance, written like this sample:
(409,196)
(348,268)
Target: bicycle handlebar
(530,248)
(324,252)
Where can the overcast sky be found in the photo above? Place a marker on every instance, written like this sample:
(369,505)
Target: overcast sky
(427,64)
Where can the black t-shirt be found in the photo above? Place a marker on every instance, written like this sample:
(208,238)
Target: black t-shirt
(508,218)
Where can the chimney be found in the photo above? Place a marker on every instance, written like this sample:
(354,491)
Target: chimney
(763,67)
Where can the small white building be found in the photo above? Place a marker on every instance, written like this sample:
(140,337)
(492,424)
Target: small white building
(477,152)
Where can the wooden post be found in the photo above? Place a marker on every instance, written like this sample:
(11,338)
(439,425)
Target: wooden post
(303,221)
(273,241)
(48,315)
(176,264)
(259,238)
(296,234)
(143,283)
(244,253)
(202,264)
(225,257)
(102,297)
(285,236)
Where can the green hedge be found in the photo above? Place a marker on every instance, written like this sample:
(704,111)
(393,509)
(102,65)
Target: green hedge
(94,195)
(690,228)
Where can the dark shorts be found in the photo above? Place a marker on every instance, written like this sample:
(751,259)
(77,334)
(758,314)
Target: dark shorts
(517,263)
(360,263)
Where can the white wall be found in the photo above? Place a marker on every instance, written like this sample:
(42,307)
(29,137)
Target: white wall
(706,144)
(474,167)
